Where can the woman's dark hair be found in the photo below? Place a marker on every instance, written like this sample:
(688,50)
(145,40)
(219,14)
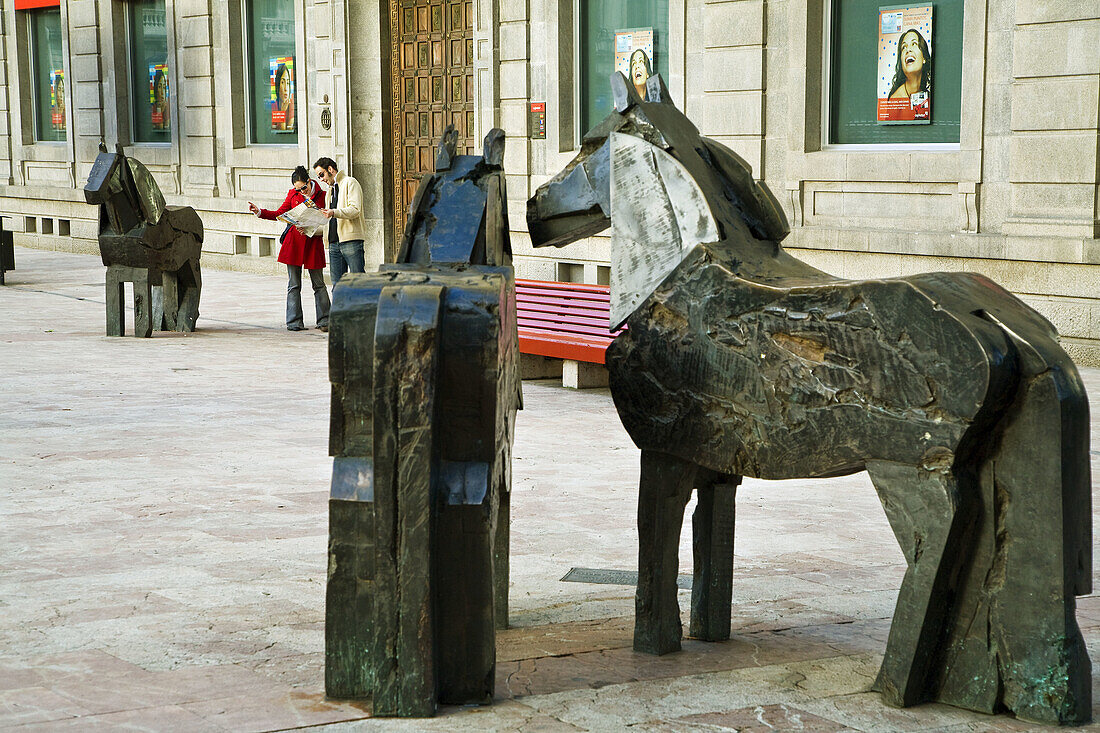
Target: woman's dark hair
(279,74)
(645,60)
(300,174)
(158,77)
(925,72)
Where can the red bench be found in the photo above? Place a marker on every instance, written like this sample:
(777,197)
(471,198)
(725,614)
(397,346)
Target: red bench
(564,320)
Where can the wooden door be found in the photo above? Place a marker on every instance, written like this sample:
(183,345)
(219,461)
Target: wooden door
(432,67)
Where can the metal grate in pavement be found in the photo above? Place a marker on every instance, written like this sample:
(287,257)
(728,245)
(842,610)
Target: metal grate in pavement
(614,577)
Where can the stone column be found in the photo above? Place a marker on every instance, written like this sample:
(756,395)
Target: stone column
(196,113)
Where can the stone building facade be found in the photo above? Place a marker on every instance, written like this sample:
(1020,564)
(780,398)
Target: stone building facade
(1003,181)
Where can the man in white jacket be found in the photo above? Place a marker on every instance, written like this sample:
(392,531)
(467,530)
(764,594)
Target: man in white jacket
(344,210)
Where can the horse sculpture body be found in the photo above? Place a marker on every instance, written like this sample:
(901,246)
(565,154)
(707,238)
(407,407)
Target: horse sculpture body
(144,241)
(425,369)
(740,360)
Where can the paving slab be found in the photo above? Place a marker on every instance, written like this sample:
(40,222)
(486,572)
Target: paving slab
(164,529)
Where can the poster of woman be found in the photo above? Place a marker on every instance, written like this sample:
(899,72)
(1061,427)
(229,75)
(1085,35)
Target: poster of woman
(282,94)
(905,65)
(634,56)
(57,99)
(158,96)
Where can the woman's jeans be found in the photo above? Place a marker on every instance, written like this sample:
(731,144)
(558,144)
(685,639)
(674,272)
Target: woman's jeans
(344,257)
(294,296)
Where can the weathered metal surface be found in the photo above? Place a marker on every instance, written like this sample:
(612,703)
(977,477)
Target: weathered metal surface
(739,360)
(146,242)
(7,249)
(424,366)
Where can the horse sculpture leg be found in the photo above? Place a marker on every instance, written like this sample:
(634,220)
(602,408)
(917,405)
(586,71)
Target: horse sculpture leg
(663,493)
(1014,641)
(922,505)
(1042,491)
(501,546)
(189,284)
(712,585)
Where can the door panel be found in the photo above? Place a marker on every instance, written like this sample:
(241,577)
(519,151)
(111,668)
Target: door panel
(432,42)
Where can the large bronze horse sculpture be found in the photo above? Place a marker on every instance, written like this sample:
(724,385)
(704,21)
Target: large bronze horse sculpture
(740,360)
(424,361)
(144,241)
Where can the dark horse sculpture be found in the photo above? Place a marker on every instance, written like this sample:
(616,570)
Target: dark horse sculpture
(740,360)
(424,362)
(144,241)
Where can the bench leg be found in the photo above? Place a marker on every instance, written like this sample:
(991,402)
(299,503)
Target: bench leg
(582,375)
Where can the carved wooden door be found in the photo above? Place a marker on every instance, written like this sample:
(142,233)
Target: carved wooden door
(432,68)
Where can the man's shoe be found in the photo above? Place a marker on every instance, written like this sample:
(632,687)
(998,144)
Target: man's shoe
(323,328)
(296,328)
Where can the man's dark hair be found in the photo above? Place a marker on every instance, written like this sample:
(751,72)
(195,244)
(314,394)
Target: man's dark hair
(326,163)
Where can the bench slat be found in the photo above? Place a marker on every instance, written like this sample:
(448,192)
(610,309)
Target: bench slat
(564,320)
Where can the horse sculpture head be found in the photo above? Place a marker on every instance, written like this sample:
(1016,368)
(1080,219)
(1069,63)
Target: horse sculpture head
(667,189)
(459,215)
(125,191)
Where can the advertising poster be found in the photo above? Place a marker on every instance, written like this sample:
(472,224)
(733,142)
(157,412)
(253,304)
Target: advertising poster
(57,99)
(282,94)
(158,96)
(905,65)
(634,56)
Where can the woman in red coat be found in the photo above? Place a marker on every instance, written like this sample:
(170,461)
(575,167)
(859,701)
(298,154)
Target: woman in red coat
(300,251)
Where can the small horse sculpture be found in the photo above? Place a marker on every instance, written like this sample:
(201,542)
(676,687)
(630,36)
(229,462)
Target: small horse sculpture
(424,362)
(144,241)
(740,360)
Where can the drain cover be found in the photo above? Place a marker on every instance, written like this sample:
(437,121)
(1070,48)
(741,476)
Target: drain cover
(614,577)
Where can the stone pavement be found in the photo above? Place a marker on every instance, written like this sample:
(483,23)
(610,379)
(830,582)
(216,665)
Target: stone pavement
(163,547)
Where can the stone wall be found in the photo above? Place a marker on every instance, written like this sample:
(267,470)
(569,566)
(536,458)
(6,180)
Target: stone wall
(209,163)
(1016,199)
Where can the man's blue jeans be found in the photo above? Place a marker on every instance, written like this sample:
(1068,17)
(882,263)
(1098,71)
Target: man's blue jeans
(344,257)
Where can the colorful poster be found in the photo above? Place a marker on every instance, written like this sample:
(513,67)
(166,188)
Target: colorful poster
(282,94)
(158,96)
(634,56)
(905,65)
(57,99)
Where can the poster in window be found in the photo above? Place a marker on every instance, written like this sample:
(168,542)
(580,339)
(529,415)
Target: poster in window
(57,100)
(158,96)
(905,65)
(282,94)
(634,56)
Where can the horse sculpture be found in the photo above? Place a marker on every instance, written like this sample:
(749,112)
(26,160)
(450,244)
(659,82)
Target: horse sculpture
(144,241)
(424,364)
(740,360)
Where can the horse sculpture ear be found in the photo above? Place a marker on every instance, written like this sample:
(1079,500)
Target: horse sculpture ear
(656,91)
(446,152)
(623,93)
(494,148)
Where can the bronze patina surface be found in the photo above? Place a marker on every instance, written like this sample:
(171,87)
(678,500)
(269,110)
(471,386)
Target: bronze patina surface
(148,243)
(425,386)
(740,360)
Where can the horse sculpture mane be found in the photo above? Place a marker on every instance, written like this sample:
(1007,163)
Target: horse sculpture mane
(740,360)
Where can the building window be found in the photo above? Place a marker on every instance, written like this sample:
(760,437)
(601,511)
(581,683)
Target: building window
(272,72)
(618,35)
(150,90)
(868,48)
(48,72)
